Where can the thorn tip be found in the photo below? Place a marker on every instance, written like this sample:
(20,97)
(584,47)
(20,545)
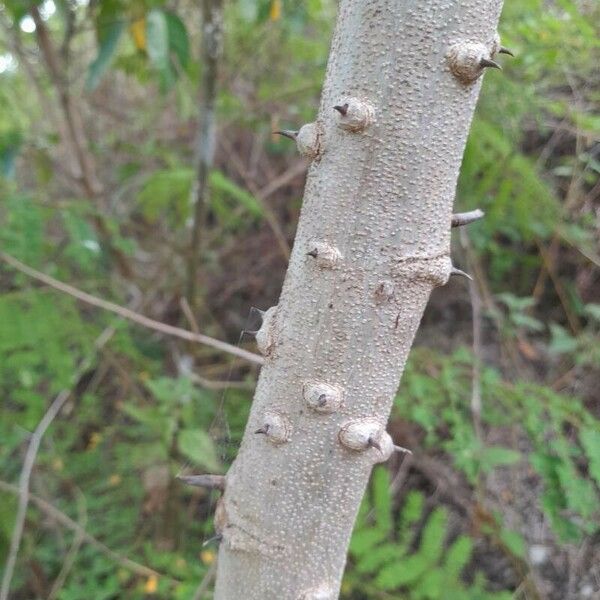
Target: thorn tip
(373,443)
(342,109)
(288,133)
(460,219)
(216,482)
(403,450)
(486,62)
(460,273)
(504,50)
(214,538)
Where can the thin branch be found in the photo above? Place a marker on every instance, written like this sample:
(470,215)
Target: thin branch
(295,170)
(268,212)
(460,219)
(73,550)
(477,350)
(74,134)
(212,384)
(206,581)
(67,522)
(71,110)
(548,258)
(127,313)
(32,450)
(212,47)
(216,482)
(189,315)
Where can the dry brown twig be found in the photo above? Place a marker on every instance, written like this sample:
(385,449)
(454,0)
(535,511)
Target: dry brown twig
(206,581)
(67,522)
(32,450)
(131,315)
(73,550)
(477,349)
(268,212)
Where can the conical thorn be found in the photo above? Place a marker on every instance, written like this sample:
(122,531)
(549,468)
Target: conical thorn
(342,109)
(214,538)
(264,430)
(373,443)
(460,219)
(403,450)
(486,62)
(216,482)
(504,50)
(288,133)
(460,273)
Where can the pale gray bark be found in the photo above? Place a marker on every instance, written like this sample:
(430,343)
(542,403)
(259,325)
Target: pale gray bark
(372,241)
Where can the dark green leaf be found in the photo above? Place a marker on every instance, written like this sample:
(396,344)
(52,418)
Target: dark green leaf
(590,440)
(197,445)
(179,43)
(157,45)
(106,54)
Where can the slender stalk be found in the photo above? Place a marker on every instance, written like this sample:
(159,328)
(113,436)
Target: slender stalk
(75,137)
(51,511)
(75,131)
(212,26)
(30,456)
(129,314)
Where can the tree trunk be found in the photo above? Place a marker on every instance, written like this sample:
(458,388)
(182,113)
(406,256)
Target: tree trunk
(373,241)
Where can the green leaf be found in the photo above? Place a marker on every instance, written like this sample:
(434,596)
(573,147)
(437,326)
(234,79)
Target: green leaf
(150,416)
(179,43)
(17,8)
(413,508)
(458,555)
(579,492)
(197,445)
(561,342)
(433,585)
(496,456)
(364,540)
(167,191)
(593,311)
(374,560)
(157,45)
(409,571)
(382,499)
(106,53)
(220,182)
(526,322)
(432,538)
(590,440)
(514,542)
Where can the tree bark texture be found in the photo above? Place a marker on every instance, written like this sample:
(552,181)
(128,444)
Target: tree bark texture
(373,240)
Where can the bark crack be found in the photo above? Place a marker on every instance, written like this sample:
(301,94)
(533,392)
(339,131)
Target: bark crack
(239,537)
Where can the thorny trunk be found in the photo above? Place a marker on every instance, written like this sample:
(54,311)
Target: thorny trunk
(212,30)
(373,241)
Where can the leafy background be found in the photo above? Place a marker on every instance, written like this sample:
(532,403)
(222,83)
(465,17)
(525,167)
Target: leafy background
(498,503)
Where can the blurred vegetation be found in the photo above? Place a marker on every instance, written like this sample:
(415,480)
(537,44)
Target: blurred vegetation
(502,502)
